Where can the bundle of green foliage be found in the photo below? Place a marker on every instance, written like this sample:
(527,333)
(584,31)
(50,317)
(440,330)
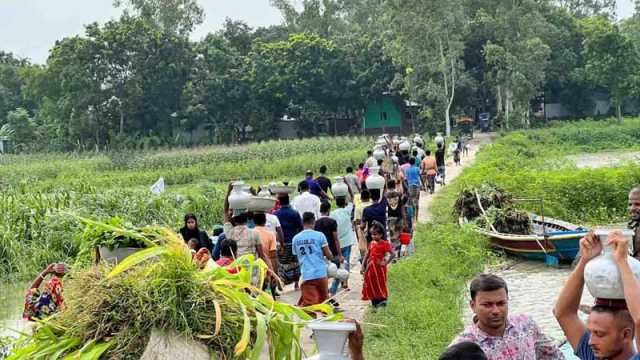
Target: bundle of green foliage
(508,221)
(110,312)
(116,233)
(490,196)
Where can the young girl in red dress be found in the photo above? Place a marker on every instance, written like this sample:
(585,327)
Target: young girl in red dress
(375,269)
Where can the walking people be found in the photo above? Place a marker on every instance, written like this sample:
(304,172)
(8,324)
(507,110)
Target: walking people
(190,231)
(440,163)
(329,227)
(500,335)
(311,249)
(396,218)
(324,182)
(361,177)
(306,201)
(365,201)
(612,324)
(371,161)
(414,182)
(268,241)
(314,187)
(457,151)
(377,211)
(429,169)
(291,222)
(352,181)
(379,255)
(346,236)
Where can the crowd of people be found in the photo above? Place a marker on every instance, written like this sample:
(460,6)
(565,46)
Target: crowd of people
(299,237)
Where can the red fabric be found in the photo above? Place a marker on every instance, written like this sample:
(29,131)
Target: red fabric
(619,304)
(313,292)
(276,207)
(225,262)
(375,278)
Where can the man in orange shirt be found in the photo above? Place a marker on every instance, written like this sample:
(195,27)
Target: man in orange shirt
(269,243)
(429,169)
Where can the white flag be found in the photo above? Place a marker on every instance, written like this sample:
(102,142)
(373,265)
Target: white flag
(158,187)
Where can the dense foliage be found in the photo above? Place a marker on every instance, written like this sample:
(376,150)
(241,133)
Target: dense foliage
(140,82)
(112,311)
(424,311)
(39,191)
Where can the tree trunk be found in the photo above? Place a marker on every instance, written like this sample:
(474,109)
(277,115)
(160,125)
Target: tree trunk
(507,108)
(619,111)
(121,120)
(499,104)
(445,78)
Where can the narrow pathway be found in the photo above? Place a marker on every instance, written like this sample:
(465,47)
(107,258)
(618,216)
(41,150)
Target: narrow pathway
(350,301)
(452,172)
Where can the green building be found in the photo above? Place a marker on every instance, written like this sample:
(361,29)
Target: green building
(388,115)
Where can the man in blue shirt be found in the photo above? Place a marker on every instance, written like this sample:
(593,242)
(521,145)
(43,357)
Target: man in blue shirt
(314,187)
(311,248)
(377,211)
(415,184)
(288,267)
(609,332)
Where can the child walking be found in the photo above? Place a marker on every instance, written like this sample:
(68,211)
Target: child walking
(375,267)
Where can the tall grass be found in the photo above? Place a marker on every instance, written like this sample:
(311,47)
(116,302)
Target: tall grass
(36,190)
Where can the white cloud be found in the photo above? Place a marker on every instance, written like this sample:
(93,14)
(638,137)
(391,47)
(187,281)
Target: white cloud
(30,28)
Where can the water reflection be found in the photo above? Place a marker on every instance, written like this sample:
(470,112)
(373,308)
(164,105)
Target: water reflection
(11,304)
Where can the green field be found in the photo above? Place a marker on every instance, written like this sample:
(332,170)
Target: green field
(38,191)
(424,311)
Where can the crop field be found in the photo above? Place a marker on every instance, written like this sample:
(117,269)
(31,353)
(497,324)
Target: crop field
(38,192)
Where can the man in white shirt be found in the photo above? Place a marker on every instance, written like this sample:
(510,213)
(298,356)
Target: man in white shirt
(273,224)
(371,161)
(306,202)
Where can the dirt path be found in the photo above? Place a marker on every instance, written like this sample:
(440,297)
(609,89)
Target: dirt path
(452,172)
(350,301)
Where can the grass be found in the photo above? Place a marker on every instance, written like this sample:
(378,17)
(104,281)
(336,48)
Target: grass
(36,189)
(425,310)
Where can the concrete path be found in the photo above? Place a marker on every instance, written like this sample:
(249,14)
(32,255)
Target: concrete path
(452,171)
(350,301)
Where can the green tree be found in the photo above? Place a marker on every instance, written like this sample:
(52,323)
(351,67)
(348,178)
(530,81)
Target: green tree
(175,16)
(517,55)
(611,59)
(21,128)
(586,8)
(426,37)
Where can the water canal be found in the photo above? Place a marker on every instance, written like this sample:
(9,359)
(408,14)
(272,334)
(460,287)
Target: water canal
(11,300)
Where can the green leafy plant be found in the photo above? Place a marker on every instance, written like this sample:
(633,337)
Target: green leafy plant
(115,309)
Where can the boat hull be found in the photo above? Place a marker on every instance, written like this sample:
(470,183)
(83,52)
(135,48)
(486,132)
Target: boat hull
(555,238)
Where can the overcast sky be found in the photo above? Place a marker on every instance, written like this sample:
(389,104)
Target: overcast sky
(29,28)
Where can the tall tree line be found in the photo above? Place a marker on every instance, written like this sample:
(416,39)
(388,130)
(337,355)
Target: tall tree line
(139,81)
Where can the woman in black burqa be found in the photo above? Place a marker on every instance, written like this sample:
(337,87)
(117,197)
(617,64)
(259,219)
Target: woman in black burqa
(190,231)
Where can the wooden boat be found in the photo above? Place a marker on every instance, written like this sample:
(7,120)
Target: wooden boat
(551,240)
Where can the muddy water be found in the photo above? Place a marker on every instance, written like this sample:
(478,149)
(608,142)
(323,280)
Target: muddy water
(604,159)
(11,303)
(533,290)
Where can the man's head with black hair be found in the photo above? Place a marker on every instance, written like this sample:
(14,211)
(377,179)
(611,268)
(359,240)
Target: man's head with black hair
(465,350)
(308,219)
